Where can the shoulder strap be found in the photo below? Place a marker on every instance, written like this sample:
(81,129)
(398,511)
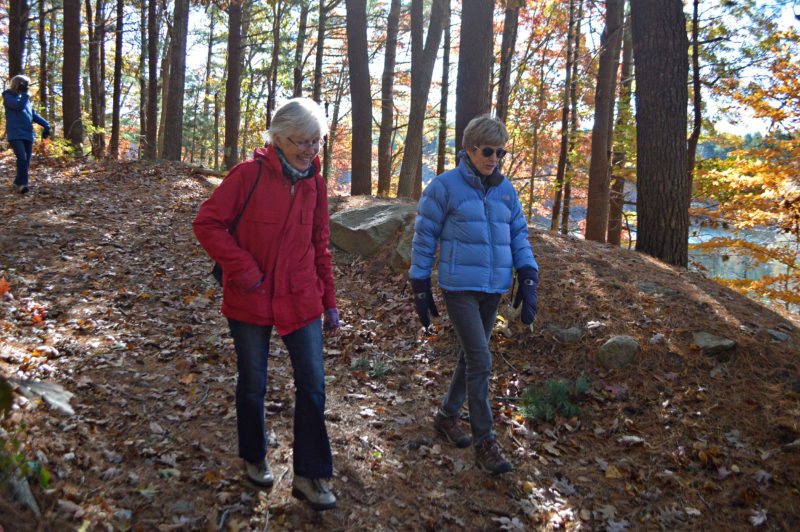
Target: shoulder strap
(238,217)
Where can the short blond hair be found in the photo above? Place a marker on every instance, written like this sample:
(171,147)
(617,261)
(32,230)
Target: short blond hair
(484,130)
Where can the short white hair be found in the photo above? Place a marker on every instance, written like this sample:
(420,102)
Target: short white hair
(18,80)
(300,117)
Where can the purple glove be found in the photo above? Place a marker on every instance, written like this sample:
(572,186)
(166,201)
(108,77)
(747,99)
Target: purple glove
(330,320)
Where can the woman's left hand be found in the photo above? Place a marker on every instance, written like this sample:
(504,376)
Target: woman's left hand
(330,320)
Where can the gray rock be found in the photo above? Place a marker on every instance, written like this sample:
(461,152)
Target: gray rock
(366,230)
(571,335)
(401,257)
(777,337)
(647,287)
(618,352)
(714,346)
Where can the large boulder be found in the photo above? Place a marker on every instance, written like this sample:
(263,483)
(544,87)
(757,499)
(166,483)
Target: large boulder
(366,230)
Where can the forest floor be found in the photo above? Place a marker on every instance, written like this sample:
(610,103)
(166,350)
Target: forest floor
(110,296)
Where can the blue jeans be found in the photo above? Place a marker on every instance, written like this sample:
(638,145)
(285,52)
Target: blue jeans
(23,149)
(311,449)
(472,315)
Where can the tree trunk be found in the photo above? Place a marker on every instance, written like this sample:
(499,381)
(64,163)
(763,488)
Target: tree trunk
(660,49)
(94,81)
(207,79)
(297,89)
(216,131)
(18,17)
(42,60)
(165,64)
(232,85)
(386,137)
(441,150)
(71,73)
(142,78)
(100,37)
(605,93)
(173,137)
(113,145)
(323,19)
(358,60)
(277,15)
(474,64)
(151,139)
(506,56)
(422,61)
(573,128)
(563,153)
(51,68)
(622,142)
(697,122)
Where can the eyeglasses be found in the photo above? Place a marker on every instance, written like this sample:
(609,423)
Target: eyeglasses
(487,152)
(306,145)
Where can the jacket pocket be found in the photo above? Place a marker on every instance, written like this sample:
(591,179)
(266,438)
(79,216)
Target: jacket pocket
(300,279)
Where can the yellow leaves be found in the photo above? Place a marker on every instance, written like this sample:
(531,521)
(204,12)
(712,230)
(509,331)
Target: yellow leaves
(613,472)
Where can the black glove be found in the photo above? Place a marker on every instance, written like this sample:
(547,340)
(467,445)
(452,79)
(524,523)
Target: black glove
(46,132)
(528,282)
(423,300)
(23,87)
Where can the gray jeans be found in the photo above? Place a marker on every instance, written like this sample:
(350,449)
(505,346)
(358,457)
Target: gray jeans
(472,315)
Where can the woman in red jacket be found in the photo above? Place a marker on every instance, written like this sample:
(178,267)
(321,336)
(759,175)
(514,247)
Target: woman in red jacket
(277,273)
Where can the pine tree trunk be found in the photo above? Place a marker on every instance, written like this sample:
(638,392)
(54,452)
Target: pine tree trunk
(297,90)
(173,139)
(697,101)
(358,60)
(42,60)
(441,150)
(71,73)
(17,31)
(385,137)
(207,80)
(232,85)
(506,55)
(320,55)
(605,92)
(660,47)
(151,123)
(113,145)
(624,121)
(94,81)
(474,64)
(277,16)
(142,78)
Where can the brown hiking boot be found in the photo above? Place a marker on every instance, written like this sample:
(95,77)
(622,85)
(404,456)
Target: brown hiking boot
(448,427)
(489,458)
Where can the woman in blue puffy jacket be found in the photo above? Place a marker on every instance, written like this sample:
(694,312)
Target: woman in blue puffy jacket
(20,117)
(473,215)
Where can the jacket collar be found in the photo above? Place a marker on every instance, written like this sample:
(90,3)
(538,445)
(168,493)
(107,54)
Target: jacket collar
(472,176)
(269,155)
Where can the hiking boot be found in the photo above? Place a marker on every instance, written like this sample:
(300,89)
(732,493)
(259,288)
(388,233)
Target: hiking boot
(488,457)
(313,491)
(259,473)
(448,427)
(22,189)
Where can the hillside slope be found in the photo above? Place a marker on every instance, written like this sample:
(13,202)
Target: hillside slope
(111,297)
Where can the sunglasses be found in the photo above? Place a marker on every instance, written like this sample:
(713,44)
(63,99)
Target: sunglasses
(306,145)
(487,152)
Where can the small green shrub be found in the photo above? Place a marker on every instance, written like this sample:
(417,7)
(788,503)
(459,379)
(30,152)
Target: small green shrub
(555,397)
(375,370)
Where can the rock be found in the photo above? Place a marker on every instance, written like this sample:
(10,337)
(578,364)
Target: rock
(571,335)
(401,257)
(648,287)
(777,337)
(364,231)
(714,346)
(618,352)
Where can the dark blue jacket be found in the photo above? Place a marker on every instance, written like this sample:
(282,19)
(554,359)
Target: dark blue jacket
(20,116)
(483,232)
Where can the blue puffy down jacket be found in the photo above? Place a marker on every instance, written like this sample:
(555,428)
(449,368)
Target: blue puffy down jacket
(20,116)
(483,234)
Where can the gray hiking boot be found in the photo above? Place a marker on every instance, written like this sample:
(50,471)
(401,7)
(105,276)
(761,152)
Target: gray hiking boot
(314,491)
(259,473)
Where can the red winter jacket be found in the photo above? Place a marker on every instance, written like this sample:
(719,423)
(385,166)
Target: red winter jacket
(277,266)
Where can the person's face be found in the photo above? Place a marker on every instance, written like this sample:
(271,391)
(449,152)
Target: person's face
(486,157)
(299,152)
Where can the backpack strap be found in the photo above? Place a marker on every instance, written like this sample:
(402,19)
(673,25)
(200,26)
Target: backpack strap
(239,216)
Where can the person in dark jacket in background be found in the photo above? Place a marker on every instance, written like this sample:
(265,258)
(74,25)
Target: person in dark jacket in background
(20,117)
(472,212)
(276,272)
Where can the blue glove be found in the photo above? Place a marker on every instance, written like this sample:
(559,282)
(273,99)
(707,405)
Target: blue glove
(46,132)
(528,279)
(423,300)
(330,320)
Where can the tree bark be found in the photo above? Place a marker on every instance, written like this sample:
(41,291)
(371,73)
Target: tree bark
(474,64)
(18,17)
(506,56)
(697,100)
(71,73)
(422,61)
(563,151)
(386,136)
(113,145)
(297,89)
(358,60)
(207,78)
(94,81)
(232,85)
(173,130)
(42,60)
(277,16)
(573,128)
(445,89)
(142,77)
(622,141)
(151,123)
(605,94)
(660,49)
